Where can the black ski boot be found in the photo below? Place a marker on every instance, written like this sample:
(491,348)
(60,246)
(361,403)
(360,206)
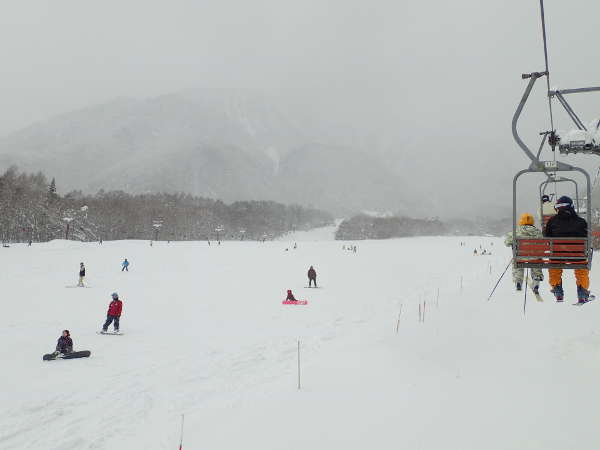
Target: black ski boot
(583,295)
(558,292)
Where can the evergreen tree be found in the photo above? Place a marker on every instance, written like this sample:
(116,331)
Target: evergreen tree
(52,195)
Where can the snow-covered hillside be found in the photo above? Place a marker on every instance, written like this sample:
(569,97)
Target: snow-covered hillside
(187,141)
(206,335)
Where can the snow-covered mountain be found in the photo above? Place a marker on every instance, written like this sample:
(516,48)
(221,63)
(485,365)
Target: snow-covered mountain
(232,145)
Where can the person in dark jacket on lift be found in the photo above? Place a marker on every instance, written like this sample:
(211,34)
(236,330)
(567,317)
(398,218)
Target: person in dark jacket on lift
(566,223)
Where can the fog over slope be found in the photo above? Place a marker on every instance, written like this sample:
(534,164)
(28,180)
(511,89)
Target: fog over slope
(226,144)
(345,104)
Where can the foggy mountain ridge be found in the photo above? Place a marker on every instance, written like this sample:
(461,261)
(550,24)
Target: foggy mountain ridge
(225,144)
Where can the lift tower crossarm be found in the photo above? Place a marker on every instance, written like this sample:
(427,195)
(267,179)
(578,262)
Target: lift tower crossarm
(574,91)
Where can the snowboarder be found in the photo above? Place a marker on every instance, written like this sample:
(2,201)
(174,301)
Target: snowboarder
(81,274)
(114,313)
(64,344)
(526,229)
(566,223)
(312,276)
(125,265)
(290,296)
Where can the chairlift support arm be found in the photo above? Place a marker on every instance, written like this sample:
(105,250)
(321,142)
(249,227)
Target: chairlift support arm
(533,77)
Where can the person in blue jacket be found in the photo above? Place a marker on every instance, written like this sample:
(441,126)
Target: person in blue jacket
(125,265)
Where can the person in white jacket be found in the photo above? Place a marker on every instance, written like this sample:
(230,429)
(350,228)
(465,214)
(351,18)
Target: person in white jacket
(526,229)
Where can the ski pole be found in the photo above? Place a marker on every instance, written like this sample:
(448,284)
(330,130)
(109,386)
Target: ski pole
(181,436)
(500,279)
(298,364)
(525,297)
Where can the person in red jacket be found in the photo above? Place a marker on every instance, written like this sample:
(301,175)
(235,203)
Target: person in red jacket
(114,313)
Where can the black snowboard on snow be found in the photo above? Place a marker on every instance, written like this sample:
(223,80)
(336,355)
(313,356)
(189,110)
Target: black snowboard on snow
(72,355)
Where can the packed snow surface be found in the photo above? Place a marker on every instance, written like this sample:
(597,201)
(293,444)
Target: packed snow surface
(206,335)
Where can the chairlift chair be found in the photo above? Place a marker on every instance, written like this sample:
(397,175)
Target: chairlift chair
(542,191)
(548,253)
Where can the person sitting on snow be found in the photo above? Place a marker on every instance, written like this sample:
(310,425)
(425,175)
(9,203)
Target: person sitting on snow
(290,297)
(64,344)
(526,229)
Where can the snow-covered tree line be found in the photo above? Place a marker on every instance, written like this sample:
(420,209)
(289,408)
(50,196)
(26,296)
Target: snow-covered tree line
(31,209)
(365,226)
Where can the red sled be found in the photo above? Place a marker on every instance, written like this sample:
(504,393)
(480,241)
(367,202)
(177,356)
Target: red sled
(295,302)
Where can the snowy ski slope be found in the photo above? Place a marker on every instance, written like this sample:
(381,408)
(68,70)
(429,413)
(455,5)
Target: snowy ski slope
(206,335)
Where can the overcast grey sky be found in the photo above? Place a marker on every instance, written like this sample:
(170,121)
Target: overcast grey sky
(438,80)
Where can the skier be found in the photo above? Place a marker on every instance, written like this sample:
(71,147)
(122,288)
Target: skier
(114,313)
(312,276)
(81,274)
(526,229)
(547,209)
(64,344)
(290,296)
(475,252)
(125,265)
(566,223)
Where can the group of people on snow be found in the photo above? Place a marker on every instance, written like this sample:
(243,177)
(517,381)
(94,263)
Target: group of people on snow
(312,279)
(113,315)
(115,308)
(564,222)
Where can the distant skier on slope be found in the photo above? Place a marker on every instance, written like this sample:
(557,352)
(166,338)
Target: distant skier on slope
(312,276)
(526,229)
(125,265)
(566,223)
(114,313)
(64,344)
(81,275)
(290,296)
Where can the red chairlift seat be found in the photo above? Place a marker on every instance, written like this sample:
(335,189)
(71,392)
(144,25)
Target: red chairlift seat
(553,253)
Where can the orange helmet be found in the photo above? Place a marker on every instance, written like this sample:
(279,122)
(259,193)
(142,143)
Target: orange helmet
(526,219)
